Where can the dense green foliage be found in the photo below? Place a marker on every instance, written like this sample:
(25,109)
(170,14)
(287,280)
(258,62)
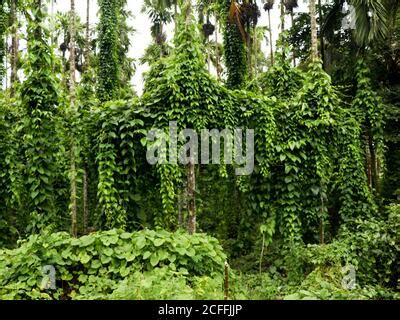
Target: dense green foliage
(323,195)
(234,49)
(102,261)
(109,64)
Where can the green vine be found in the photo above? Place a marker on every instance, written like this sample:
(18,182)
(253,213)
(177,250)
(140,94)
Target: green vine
(40,101)
(108,61)
(234,50)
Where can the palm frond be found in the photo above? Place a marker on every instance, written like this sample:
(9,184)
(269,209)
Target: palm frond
(234,18)
(371,21)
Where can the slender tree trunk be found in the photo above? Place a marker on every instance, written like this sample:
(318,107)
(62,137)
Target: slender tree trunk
(255,52)
(270,38)
(72,29)
(294,55)
(74,220)
(87,36)
(373,163)
(74,224)
(249,53)
(283,22)
(369,162)
(322,222)
(52,28)
(191,185)
(321,37)
(209,56)
(85,170)
(161,31)
(14,47)
(191,173)
(5,44)
(314,36)
(226,281)
(262,252)
(180,218)
(85,201)
(217,49)
(175,13)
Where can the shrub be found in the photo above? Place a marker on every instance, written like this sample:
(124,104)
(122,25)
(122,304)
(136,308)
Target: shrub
(101,260)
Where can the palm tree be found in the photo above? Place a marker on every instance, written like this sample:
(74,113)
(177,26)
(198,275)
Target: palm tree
(290,5)
(159,11)
(268,5)
(371,19)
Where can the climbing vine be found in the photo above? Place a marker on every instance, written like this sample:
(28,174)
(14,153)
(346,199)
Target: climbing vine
(234,49)
(108,59)
(369,110)
(40,101)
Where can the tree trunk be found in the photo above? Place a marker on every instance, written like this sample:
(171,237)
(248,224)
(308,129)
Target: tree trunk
(249,54)
(368,161)
(270,38)
(87,39)
(217,49)
(321,37)
(72,29)
(373,163)
(191,185)
(85,170)
(314,37)
(294,55)
(85,201)
(14,47)
(74,224)
(255,46)
(226,281)
(322,221)
(191,174)
(175,13)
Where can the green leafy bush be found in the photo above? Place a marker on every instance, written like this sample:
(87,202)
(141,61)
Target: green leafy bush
(325,283)
(100,260)
(373,249)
